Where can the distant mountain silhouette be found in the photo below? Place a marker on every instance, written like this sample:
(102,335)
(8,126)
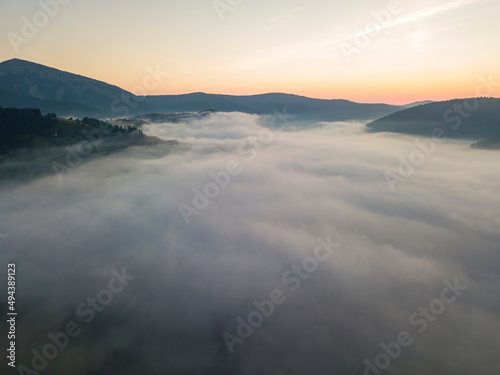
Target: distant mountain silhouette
(416,104)
(266,104)
(26,84)
(476,118)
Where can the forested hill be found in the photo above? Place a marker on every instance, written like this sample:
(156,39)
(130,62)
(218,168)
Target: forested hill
(28,128)
(33,145)
(474,118)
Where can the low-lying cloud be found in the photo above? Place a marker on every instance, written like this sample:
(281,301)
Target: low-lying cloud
(192,281)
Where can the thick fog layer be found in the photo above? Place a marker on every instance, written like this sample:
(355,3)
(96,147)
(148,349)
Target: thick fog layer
(329,244)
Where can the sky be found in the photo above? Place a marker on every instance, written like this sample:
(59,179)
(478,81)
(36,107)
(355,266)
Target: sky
(378,51)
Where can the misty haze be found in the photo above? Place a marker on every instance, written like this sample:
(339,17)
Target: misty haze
(239,207)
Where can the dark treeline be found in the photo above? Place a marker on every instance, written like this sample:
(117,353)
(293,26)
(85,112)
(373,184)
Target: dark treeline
(25,128)
(114,129)
(24,121)
(19,125)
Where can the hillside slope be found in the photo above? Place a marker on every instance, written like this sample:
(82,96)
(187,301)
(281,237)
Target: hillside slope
(476,118)
(25,84)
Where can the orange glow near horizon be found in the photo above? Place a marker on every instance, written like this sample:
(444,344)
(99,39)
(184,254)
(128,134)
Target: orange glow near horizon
(365,89)
(374,96)
(398,94)
(425,52)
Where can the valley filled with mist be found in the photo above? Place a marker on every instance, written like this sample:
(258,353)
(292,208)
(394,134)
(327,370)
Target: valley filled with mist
(206,230)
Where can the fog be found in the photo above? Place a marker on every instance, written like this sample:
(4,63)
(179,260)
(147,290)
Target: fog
(397,247)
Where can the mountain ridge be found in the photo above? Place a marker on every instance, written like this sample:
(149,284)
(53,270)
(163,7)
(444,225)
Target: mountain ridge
(469,118)
(70,94)
(33,80)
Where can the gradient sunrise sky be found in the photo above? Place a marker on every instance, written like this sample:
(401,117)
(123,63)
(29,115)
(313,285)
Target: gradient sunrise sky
(425,50)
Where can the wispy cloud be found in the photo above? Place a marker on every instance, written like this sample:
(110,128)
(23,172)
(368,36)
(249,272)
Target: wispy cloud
(320,44)
(419,15)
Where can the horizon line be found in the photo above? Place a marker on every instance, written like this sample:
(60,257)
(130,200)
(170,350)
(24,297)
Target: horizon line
(250,95)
